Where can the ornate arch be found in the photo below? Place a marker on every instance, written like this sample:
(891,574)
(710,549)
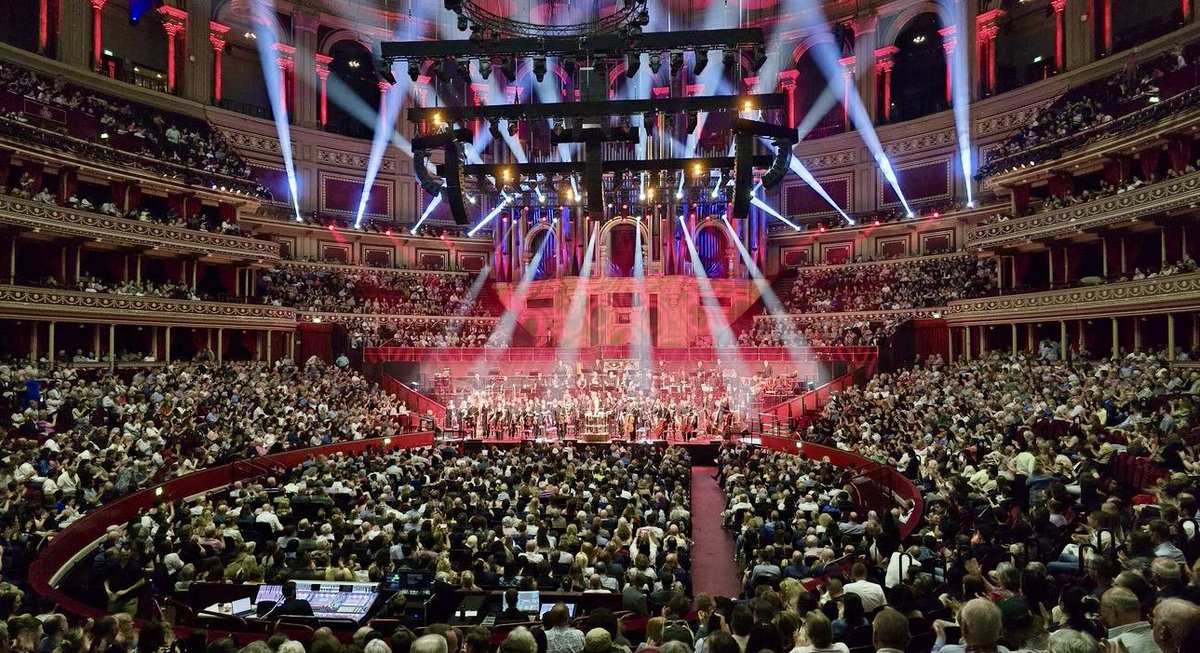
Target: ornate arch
(901,20)
(337,36)
(809,42)
(606,233)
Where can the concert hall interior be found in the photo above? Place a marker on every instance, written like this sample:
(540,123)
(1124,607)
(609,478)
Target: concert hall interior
(599,326)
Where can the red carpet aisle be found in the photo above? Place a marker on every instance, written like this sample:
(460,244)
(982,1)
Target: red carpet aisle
(713,569)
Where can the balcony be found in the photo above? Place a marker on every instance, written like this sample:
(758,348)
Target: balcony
(1174,293)
(22,302)
(1172,194)
(51,219)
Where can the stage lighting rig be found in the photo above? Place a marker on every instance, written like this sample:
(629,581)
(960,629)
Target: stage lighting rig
(676,62)
(508,66)
(701,62)
(655,62)
(759,58)
(485,68)
(539,69)
(633,61)
(414,70)
(729,58)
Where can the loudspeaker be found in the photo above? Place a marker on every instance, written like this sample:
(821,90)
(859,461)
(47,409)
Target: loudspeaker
(743,174)
(456,178)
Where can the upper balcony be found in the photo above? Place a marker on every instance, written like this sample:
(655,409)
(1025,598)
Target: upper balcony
(31,216)
(48,304)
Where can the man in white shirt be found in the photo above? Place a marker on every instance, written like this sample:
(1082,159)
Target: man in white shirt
(267,516)
(1122,614)
(871,594)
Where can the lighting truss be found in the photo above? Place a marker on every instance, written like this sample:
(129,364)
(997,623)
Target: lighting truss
(629,18)
(603,44)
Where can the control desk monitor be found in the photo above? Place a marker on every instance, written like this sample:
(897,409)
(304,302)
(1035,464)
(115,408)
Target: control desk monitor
(329,600)
(409,582)
(529,602)
(546,607)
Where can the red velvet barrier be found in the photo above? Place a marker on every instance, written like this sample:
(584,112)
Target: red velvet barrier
(82,534)
(550,355)
(892,480)
(418,403)
(812,400)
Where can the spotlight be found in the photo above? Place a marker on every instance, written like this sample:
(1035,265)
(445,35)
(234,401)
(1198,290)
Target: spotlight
(464,69)
(508,66)
(633,61)
(494,129)
(643,18)
(697,169)
(462,23)
(760,57)
(729,58)
(454,5)
(676,62)
(512,128)
(655,63)
(414,69)
(539,68)
(485,68)
(701,62)
(691,120)
(568,64)
(559,127)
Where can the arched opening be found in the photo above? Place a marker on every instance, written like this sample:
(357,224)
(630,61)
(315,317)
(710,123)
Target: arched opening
(1025,44)
(1134,23)
(351,69)
(810,85)
(919,76)
(712,246)
(544,242)
(622,248)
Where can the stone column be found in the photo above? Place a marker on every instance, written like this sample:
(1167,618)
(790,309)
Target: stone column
(97,32)
(865,41)
(74,35)
(847,64)
(787,82)
(950,48)
(986,31)
(884,63)
(285,58)
(304,38)
(216,39)
(200,53)
(1060,36)
(322,69)
(175,22)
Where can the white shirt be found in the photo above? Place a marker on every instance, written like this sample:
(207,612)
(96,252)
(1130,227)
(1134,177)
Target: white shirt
(269,518)
(871,594)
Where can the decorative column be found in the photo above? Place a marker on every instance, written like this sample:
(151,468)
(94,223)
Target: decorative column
(304,85)
(884,63)
(199,53)
(174,21)
(97,33)
(323,61)
(1106,16)
(950,48)
(986,31)
(216,38)
(847,64)
(72,39)
(787,82)
(43,26)
(285,58)
(384,87)
(1060,34)
(864,54)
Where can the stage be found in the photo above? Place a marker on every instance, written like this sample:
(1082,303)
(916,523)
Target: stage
(702,450)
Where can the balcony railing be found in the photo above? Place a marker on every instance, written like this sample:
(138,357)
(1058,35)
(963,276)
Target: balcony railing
(73,306)
(50,218)
(1175,293)
(1157,198)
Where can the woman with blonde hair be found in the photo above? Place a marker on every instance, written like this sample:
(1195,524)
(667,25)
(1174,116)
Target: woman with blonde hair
(654,633)
(790,590)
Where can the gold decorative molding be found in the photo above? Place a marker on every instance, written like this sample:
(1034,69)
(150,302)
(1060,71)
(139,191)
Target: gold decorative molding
(49,218)
(319,266)
(864,316)
(19,302)
(1176,293)
(342,318)
(1130,205)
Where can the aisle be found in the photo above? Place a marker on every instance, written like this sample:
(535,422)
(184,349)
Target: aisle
(713,569)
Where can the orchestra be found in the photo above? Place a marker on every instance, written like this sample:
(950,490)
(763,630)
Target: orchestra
(622,400)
